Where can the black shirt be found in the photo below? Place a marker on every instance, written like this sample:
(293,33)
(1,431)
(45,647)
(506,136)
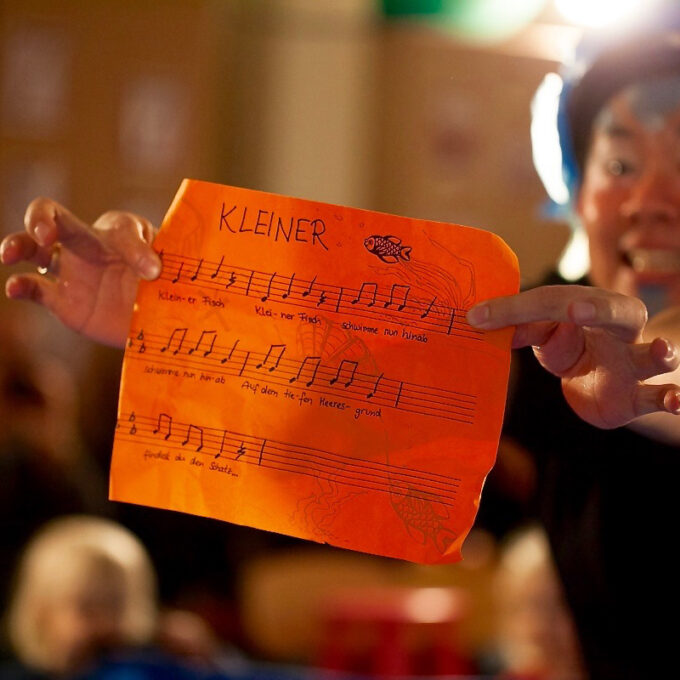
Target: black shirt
(607,499)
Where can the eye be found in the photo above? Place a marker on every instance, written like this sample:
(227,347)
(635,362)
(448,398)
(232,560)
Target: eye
(618,167)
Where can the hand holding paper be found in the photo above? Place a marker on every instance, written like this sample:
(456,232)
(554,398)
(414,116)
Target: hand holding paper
(88,274)
(308,369)
(592,339)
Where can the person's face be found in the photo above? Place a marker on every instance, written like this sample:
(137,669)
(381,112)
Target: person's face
(629,203)
(81,623)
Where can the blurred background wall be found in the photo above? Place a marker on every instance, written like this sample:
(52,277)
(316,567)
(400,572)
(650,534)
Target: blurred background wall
(109,104)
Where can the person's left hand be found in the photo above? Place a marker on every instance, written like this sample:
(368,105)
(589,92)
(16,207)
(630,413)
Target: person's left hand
(591,338)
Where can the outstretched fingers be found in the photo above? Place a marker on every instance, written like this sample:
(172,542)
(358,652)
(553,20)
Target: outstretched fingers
(654,358)
(114,236)
(20,247)
(621,315)
(33,287)
(48,222)
(657,398)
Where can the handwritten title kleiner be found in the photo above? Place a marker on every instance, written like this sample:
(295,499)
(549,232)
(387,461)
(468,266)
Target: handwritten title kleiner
(267,223)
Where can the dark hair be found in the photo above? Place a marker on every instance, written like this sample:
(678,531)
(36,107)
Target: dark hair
(629,62)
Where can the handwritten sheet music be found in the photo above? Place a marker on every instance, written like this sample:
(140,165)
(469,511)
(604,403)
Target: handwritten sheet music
(307,369)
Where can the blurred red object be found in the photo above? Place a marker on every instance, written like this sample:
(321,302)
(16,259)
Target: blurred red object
(395,631)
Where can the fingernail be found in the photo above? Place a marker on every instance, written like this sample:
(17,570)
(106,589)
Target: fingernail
(11,288)
(670,350)
(583,312)
(4,246)
(41,232)
(149,267)
(479,315)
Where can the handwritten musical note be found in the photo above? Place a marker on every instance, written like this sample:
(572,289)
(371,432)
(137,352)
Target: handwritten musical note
(194,429)
(352,364)
(366,299)
(245,362)
(179,272)
(408,397)
(207,352)
(181,333)
(265,297)
(290,287)
(133,427)
(221,451)
(311,360)
(324,464)
(228,357)
(371,394)
(194,276)
(426,313)
(217,270)
(274,350)
(307,292)
(164,420)
(398,291)
(372,295)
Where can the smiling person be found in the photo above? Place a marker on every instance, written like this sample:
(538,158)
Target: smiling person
(607,496)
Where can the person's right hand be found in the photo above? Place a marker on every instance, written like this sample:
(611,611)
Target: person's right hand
(89,274)
(592,339)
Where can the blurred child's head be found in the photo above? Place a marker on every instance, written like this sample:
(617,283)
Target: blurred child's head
(84,585)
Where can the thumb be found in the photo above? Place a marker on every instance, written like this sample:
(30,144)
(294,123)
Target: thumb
(129,237)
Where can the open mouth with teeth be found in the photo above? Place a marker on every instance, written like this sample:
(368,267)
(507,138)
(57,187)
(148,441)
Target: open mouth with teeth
(653,261)
(657,271)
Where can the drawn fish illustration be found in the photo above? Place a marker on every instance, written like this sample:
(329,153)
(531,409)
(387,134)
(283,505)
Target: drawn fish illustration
(423,520)
(388,248)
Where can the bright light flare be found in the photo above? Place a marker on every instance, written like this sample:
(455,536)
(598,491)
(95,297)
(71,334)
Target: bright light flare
(545,139)
(599,13)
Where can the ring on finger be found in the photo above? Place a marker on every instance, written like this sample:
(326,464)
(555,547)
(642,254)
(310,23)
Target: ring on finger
(52,267)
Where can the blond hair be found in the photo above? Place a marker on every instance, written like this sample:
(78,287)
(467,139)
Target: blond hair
(80,551)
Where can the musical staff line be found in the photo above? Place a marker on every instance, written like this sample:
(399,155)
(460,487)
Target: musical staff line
(395,304)
(289,457)
(273,366)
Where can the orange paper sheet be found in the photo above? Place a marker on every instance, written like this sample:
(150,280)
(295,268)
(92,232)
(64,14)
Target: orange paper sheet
(307,369)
